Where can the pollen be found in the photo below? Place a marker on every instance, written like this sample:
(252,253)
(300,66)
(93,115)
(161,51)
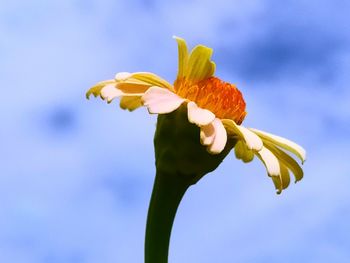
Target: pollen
(221,98)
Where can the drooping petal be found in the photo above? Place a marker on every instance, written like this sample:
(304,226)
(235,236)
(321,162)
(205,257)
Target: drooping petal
(281,182)
(283,143)
(243,153)
(288,161)
(160,100)
(252,140)
(220,138)
(96,90)
(199,116)
(278,183)
(110,92)
(207,134)
(183,56)
(200,66)
(130,102)
(284,176)
(270,161)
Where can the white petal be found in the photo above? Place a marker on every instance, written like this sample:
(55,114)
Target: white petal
(220,138)
(122,76)
(198,115)
(161,100)
(207,134)
(252,140)
(110,92)
(270,161)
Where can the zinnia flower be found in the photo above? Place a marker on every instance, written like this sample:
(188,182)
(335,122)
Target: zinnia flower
(215,106)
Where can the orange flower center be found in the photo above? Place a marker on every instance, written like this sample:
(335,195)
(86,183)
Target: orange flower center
(221,98)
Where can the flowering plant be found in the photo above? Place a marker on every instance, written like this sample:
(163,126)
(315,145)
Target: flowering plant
(199,123)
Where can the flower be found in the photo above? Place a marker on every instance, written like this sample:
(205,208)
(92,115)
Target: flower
(215,106)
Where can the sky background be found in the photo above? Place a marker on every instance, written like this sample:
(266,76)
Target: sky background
(76,175)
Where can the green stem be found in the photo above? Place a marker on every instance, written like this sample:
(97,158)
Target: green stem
(168,191)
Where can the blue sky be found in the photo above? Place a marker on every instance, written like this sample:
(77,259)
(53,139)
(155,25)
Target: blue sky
(76,175)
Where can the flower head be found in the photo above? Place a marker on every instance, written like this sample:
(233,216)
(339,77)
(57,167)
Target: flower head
(215,106)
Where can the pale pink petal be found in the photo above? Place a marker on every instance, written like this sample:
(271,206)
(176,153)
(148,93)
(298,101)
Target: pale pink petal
(270,161)
(160,100)
(122,76)
(110,92)
(207,134)
(198,115)
(220,138)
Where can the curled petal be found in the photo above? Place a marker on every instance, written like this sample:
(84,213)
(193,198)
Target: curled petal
(283,180)
(199,116)
(220,138)
(278,184)
(283,143)
(160,100)
(252,140)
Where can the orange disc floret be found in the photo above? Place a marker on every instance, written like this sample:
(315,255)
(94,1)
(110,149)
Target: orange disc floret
(221,98)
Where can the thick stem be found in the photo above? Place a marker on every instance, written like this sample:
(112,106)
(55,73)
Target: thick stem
(168,191)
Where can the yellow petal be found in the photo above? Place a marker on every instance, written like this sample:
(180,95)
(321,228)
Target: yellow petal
(288,161)
(278,184)
(283,143)
(132,89)
(199,116)
(283,180)
(220,138)
(200,66)
(284,176)
(243,153)
(252,140)
(160,100)
(183,56)
(130,102)
(152,80)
